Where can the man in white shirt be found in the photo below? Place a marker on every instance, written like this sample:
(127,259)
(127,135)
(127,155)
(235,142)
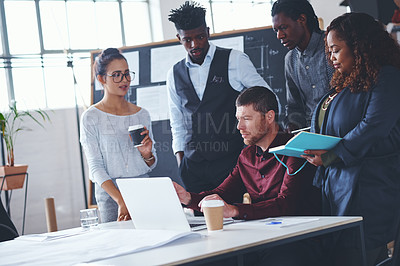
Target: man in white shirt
(202,91)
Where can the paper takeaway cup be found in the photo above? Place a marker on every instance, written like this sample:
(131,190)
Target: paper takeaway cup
(135,131)
(214,214)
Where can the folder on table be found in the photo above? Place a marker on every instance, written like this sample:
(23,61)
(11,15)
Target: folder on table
(306,141)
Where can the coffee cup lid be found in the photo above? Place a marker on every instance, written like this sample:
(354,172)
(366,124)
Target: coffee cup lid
(212,203)
(135,127)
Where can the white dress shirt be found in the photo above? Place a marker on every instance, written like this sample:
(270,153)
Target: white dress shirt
(241,72)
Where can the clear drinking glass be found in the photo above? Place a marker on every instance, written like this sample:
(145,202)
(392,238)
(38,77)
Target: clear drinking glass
(89,218)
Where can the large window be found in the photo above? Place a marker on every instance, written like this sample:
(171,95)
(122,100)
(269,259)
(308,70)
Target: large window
(3,91)
(48,44)
(136,27)
(225,15)
(54,25)
(23,37)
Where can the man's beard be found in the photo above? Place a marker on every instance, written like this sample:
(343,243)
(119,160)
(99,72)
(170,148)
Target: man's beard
(263,131)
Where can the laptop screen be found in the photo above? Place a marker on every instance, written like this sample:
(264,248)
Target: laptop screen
(153,203)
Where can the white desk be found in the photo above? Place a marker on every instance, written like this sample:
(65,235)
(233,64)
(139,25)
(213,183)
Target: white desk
(235,240)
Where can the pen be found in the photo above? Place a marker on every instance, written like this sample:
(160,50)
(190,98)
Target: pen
(274,223)
(301,129)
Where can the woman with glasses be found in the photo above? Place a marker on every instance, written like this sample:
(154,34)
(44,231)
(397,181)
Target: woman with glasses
(104,135)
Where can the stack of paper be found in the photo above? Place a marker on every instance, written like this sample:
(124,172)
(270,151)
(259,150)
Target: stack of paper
(79,248)
(53,235)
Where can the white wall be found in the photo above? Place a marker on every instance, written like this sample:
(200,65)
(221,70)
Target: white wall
(156,20)
(169,31)
(328,10)
(54,170)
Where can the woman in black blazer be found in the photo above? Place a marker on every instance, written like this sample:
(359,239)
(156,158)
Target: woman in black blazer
(361,175)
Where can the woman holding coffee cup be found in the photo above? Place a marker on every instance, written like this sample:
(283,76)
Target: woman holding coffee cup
(106,136)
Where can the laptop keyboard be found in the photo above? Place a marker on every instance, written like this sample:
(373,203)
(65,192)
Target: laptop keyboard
(196,225)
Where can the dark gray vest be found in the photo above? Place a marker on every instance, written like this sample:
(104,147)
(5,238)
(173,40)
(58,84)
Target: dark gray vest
(213,132)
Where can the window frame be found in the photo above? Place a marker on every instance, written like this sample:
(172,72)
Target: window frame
(65,56)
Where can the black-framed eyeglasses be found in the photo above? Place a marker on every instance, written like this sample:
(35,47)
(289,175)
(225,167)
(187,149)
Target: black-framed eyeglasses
(118,76)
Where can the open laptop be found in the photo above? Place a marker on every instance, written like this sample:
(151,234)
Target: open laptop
(153,204)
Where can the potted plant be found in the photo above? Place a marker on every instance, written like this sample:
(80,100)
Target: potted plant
(11,124)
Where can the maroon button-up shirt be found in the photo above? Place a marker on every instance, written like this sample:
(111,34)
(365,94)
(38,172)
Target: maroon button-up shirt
(273,192)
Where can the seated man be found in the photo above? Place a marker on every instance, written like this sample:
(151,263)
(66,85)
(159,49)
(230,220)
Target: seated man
(273,191)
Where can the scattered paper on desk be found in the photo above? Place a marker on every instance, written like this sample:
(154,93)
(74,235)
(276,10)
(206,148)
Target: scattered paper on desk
(92,246)
(53,235)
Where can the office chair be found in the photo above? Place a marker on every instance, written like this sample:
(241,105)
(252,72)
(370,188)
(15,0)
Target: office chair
(7,228)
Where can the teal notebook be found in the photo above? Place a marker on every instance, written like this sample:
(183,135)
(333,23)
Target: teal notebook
(306,141)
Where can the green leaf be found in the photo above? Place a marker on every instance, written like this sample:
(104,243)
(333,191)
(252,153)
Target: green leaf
(12,123)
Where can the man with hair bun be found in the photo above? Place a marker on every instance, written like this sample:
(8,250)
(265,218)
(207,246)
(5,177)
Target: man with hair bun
(202,90)
(307,71)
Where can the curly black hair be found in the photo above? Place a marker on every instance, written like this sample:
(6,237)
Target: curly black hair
(371,45)
(294,8)
(188,16)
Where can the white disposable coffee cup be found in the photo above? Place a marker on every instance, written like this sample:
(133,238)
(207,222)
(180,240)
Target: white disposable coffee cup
(214,214)
(135,131)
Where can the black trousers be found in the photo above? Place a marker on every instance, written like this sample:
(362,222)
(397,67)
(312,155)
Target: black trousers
(343,249)
(350,257)
(306,252)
